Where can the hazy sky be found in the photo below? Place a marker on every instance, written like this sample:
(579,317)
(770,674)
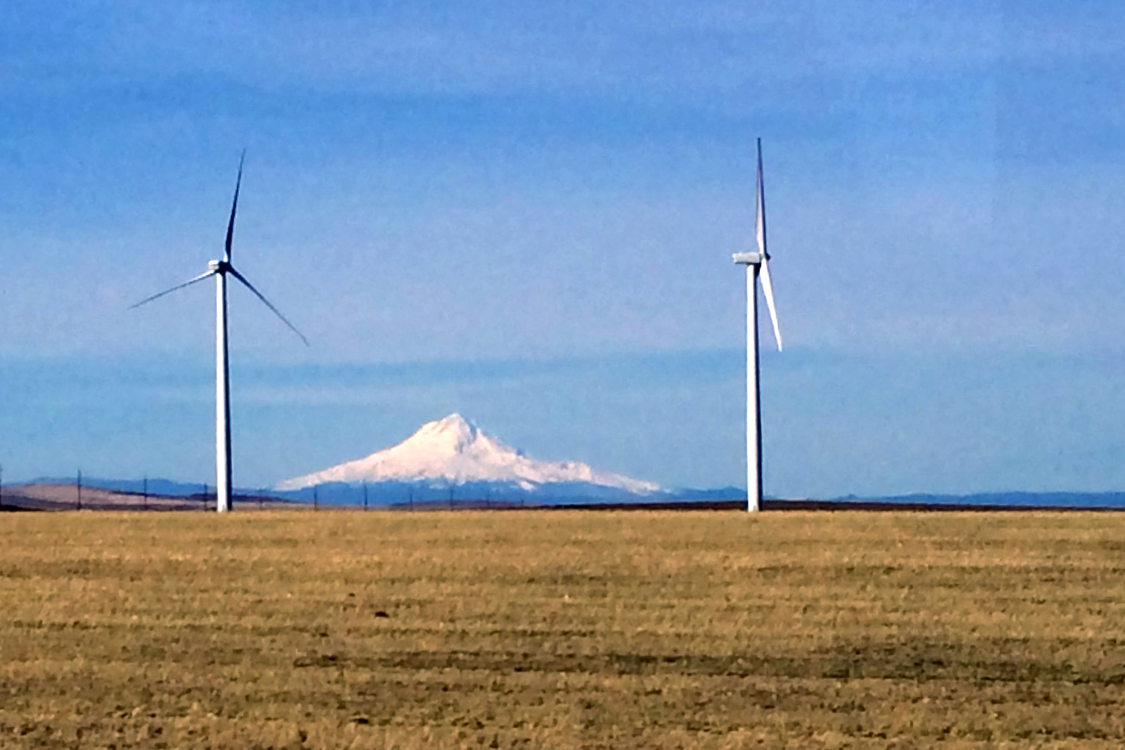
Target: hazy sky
(525,212)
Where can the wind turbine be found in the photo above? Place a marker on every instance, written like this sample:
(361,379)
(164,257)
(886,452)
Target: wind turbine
(220,269)
(757,267)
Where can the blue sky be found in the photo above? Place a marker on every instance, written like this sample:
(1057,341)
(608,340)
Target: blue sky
(524,212)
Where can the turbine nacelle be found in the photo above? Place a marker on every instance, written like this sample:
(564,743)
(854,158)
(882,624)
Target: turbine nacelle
(218,266)
(748,259)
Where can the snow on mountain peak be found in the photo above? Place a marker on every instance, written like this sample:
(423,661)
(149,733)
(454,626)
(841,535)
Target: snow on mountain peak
(450,433)
(454,449)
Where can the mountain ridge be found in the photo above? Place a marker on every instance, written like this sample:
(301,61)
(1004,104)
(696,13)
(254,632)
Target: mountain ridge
(402,494)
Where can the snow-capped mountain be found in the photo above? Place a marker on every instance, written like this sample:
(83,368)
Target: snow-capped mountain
(454,450)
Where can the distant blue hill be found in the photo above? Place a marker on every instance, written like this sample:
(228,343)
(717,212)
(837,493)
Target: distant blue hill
(1031,499)
(428,492)
(397,493)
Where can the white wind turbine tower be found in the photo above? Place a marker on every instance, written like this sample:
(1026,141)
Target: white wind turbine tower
(219,269)
(757,266)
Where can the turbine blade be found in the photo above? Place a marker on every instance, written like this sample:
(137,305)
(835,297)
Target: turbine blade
(234,207)
(767,290)
(189,282)
(764,271)
(761,206)
(266,302)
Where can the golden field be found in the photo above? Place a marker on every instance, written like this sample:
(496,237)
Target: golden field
(540,629)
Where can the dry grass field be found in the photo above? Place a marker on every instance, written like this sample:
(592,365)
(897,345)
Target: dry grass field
(562,629)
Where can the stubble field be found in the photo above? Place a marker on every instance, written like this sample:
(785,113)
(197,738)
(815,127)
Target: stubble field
(562,629)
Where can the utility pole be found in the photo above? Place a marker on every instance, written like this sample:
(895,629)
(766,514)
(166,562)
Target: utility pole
(261,498)
(316,499)
(79,487)
(144,492)
(206,491)
(1,485)
(411,498)
(365,495)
